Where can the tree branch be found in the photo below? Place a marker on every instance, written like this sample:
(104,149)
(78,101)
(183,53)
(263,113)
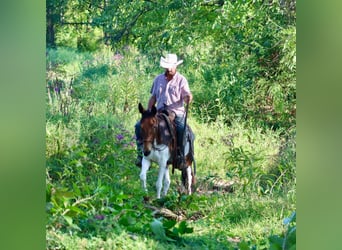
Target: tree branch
(165,213)
(124,31)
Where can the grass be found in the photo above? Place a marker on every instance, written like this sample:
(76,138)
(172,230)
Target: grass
(224,217)
(94,197)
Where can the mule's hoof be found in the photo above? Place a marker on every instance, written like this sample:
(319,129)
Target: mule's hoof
(146,198)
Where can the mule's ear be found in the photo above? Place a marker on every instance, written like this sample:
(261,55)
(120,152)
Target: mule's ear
(154,110)
(141,108)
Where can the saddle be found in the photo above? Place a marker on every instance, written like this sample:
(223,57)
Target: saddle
(168,136)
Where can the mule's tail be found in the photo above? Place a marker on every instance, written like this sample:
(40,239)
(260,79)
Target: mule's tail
(192,147)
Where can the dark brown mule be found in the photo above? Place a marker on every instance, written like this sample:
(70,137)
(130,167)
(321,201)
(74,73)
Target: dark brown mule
(159,145)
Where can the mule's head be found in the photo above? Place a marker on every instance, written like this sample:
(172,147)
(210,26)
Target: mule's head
(148,125)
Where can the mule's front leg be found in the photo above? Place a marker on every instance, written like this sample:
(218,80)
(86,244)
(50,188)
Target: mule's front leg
(166,181)
(159,184)
(145,165)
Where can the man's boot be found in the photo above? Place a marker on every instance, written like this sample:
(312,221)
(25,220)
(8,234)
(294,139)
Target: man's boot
(139,156)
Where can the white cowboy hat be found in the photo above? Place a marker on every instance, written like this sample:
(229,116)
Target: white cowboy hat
(170,61)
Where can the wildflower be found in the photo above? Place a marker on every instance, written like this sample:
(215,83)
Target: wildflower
(99,217)
(118,57)
(119,137)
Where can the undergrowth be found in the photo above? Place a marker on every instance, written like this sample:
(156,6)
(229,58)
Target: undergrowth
(93,195)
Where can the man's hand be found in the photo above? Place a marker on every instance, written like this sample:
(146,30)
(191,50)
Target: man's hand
(151,102)
(188,99)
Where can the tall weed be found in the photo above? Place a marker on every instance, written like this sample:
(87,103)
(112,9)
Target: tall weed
(93,188)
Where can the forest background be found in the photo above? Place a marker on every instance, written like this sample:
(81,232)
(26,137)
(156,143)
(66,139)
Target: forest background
(240,61)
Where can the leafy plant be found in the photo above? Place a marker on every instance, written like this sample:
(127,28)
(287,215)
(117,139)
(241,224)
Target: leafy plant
(241,115)
(166,230)
(243,167)
(286,241)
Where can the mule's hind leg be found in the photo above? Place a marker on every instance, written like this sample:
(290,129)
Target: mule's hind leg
(189,179)
(187,175)
(145,165)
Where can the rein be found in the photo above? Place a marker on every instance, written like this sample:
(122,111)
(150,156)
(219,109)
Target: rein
(158,149)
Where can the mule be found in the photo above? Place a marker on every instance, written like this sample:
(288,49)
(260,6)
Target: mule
(159,145)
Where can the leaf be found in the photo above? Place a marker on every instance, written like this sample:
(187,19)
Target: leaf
(275,241)
(127,220)
(76,210)
(292,247)
(68,220)
(82,154)
(48,206)
(64,194)
(243,246)
(159,231)
(194,206)
(169,224)
(290,219)
(291,236)
(76,189)
(183,228)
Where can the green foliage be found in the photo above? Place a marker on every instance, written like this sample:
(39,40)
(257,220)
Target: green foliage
(244,167)
(248,169)
(168,231)
(240,55)
(288,239)
(240,60)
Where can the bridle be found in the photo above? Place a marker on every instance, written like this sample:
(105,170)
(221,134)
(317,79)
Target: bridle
(152,141)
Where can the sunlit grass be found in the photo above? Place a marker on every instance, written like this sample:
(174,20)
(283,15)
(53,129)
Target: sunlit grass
(90,150)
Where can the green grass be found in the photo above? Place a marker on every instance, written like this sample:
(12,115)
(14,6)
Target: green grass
(94,198)
(244,216)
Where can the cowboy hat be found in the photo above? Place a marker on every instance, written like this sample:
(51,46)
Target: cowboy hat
(170,61)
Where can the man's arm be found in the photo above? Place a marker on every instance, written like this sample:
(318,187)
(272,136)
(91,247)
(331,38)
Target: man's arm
(151,102)
(185,91)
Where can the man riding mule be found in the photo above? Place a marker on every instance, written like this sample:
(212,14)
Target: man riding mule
(169,91)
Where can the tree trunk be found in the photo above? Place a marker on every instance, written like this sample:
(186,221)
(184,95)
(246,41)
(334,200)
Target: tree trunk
(50,30)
